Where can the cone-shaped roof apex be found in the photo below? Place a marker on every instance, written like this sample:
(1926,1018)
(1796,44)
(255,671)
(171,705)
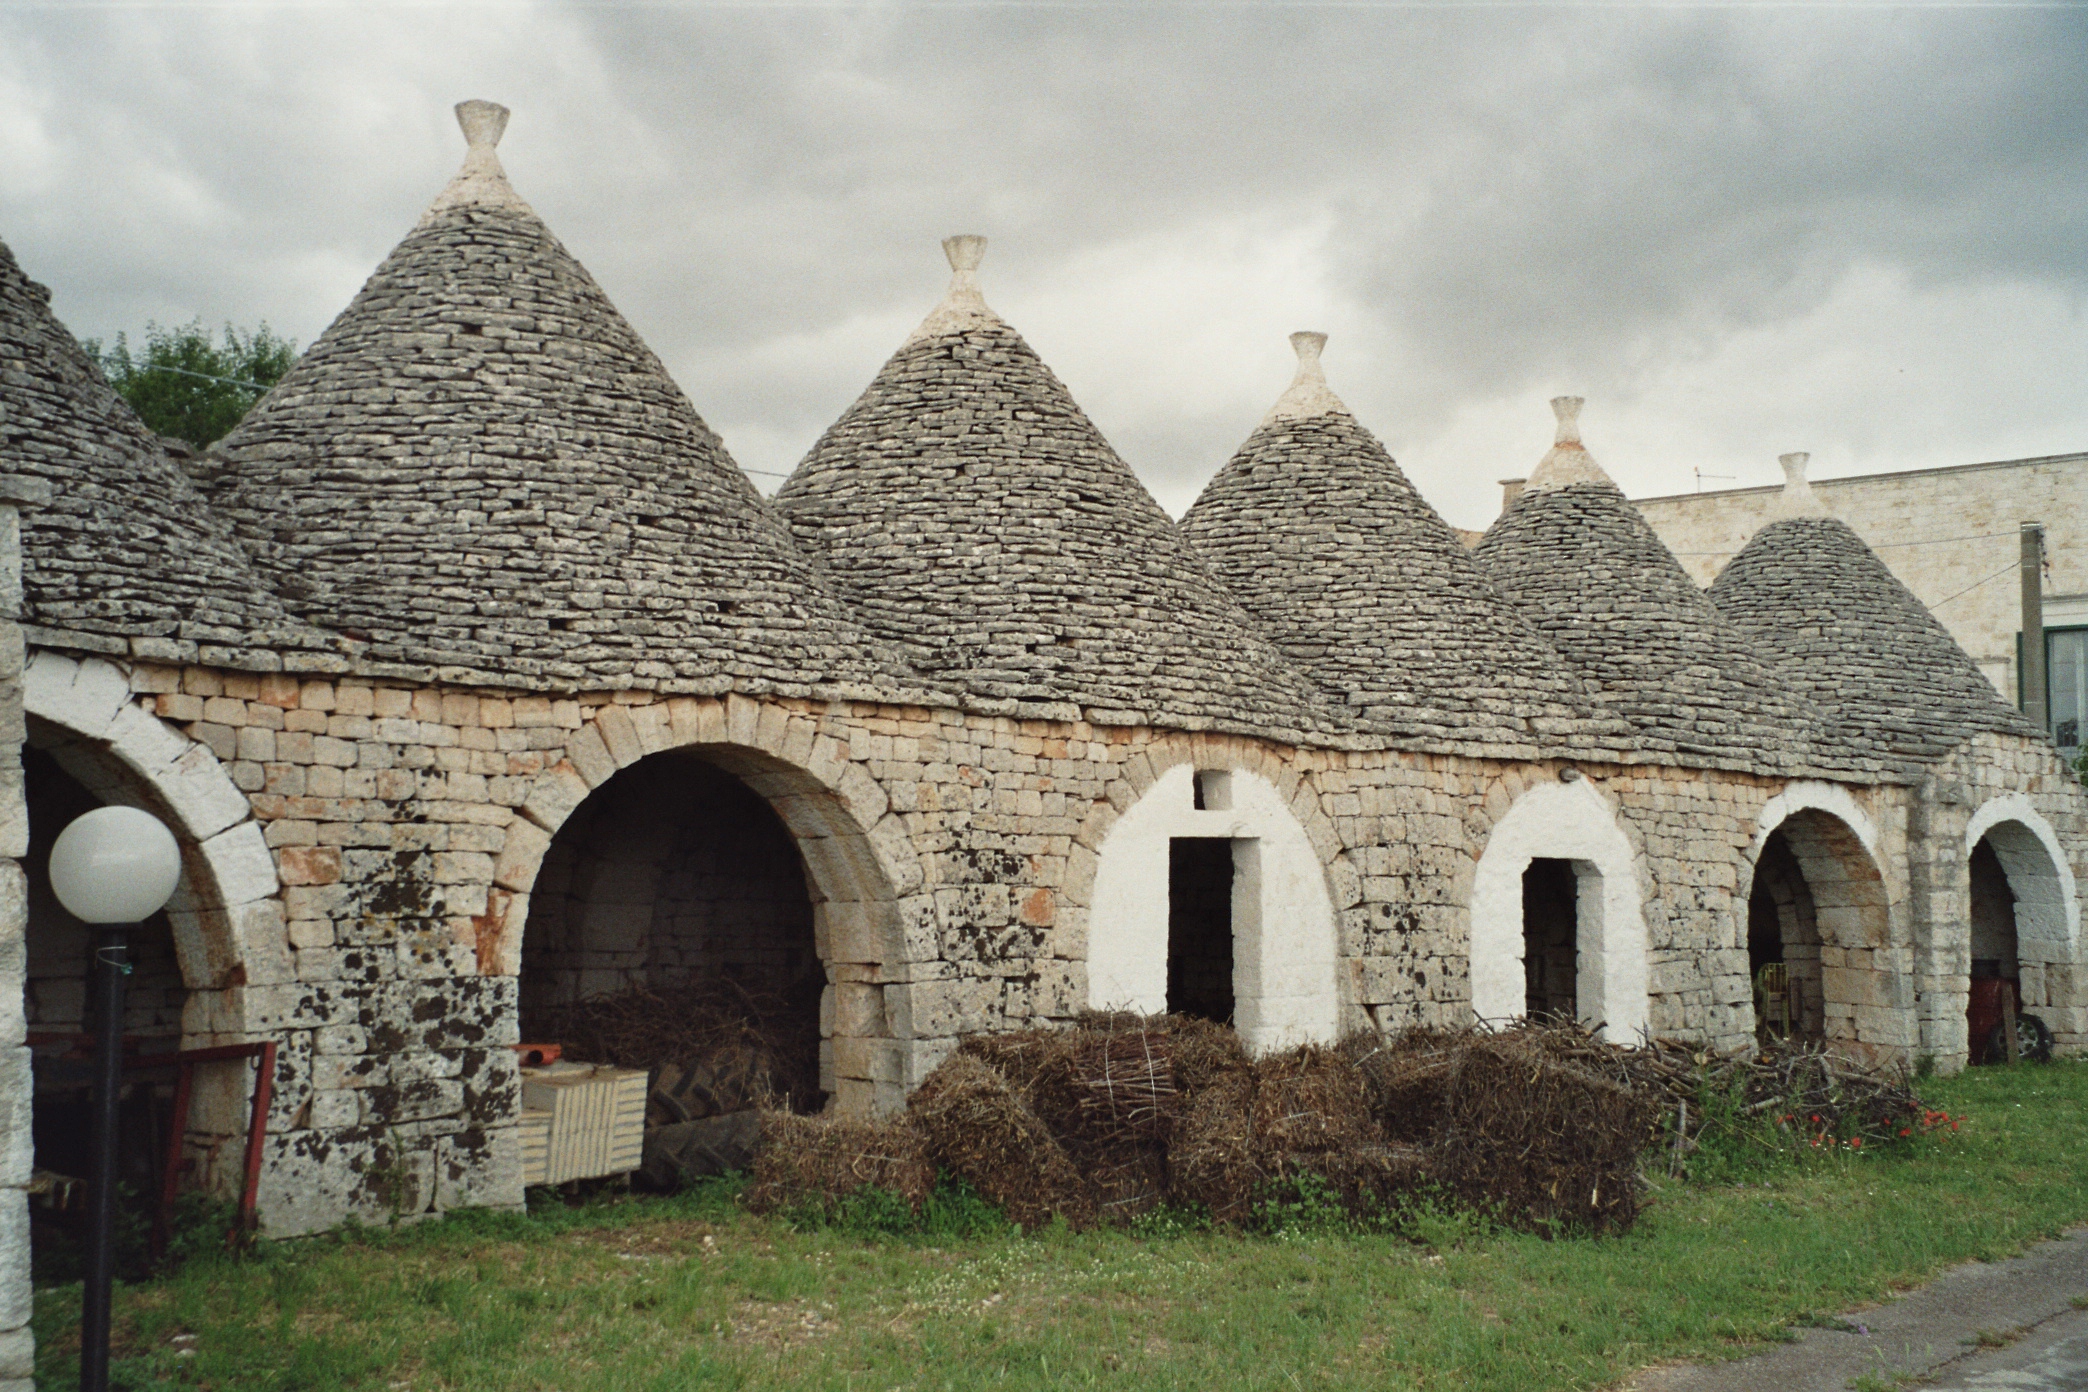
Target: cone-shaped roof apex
(1358,581)
(1568,460)
(481,183)
(962,305)
(1797,498)
(1308,394)
(969,511)
(1588,571)
(481,467)
(126,548)
(1839,626)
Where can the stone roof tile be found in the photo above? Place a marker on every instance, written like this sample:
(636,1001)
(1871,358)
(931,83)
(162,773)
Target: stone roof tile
(1841,628)
(1360,582)
(972,513)
(127,548)
(480,466)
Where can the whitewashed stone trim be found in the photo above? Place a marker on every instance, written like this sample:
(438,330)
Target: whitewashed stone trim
(1284,941)
(2048,907)
(1574,822)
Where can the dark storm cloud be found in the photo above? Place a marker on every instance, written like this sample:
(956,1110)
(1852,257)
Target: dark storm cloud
(1723,226)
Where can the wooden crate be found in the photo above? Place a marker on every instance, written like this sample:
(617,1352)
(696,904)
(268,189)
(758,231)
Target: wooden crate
(580,1122)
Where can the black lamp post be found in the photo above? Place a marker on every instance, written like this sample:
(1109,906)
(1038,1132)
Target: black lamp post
(113,867)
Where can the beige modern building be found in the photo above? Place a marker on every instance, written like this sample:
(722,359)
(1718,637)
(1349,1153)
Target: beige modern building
(1952,536)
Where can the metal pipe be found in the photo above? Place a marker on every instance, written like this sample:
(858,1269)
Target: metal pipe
(111,966)
(2033,673)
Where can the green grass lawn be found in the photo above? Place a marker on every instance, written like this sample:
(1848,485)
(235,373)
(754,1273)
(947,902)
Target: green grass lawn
(690,1292)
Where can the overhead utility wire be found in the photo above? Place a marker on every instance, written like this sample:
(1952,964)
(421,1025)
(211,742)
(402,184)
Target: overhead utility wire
(162,367)
(1975,585)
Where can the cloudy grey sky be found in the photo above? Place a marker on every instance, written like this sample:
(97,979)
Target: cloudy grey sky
(1860,230)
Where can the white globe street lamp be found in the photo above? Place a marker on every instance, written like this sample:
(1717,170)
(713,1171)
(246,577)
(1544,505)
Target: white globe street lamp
(112,867)
(115,865)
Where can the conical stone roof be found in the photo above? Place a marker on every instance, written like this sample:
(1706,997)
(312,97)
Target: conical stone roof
(1359,581)
(1842,629)
(126,557)
(480,466)
(970,512)
(1589,572)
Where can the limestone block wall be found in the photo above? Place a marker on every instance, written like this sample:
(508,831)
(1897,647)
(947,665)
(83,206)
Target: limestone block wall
(2018,794)
(17,1343)
(950,862)
(1942,531)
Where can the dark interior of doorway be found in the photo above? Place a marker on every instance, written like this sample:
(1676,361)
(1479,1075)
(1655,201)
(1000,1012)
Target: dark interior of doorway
(1783,946)
(671,929)
(59,952)
(1996,957)
(1200,927)
(1551,931)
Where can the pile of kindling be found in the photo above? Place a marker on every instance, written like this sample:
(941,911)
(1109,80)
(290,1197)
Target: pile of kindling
(713,1046)
(1540,1125)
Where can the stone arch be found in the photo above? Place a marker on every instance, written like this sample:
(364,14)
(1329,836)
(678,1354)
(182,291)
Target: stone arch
(2047,912)
(226,918)
(860,871)
(1572,822)
(1837,902)
(227,912)
(1284,944)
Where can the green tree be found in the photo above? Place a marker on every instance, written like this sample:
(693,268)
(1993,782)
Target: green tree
(184,384)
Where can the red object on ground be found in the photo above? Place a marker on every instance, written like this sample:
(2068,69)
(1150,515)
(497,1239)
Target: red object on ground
(184,1085)
(1984,1015)
(537,1055)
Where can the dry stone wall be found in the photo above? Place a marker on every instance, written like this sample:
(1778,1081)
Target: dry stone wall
(949,861)
(17,1343)
(1999,783)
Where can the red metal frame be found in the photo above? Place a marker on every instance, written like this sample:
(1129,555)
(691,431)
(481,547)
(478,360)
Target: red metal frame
(184,1089)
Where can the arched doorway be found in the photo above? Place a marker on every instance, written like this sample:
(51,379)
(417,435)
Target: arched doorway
(1210,900)
(713,916)
(64,778)
(2023,923)
(1819,917)
(1783,946)
(1557,927)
